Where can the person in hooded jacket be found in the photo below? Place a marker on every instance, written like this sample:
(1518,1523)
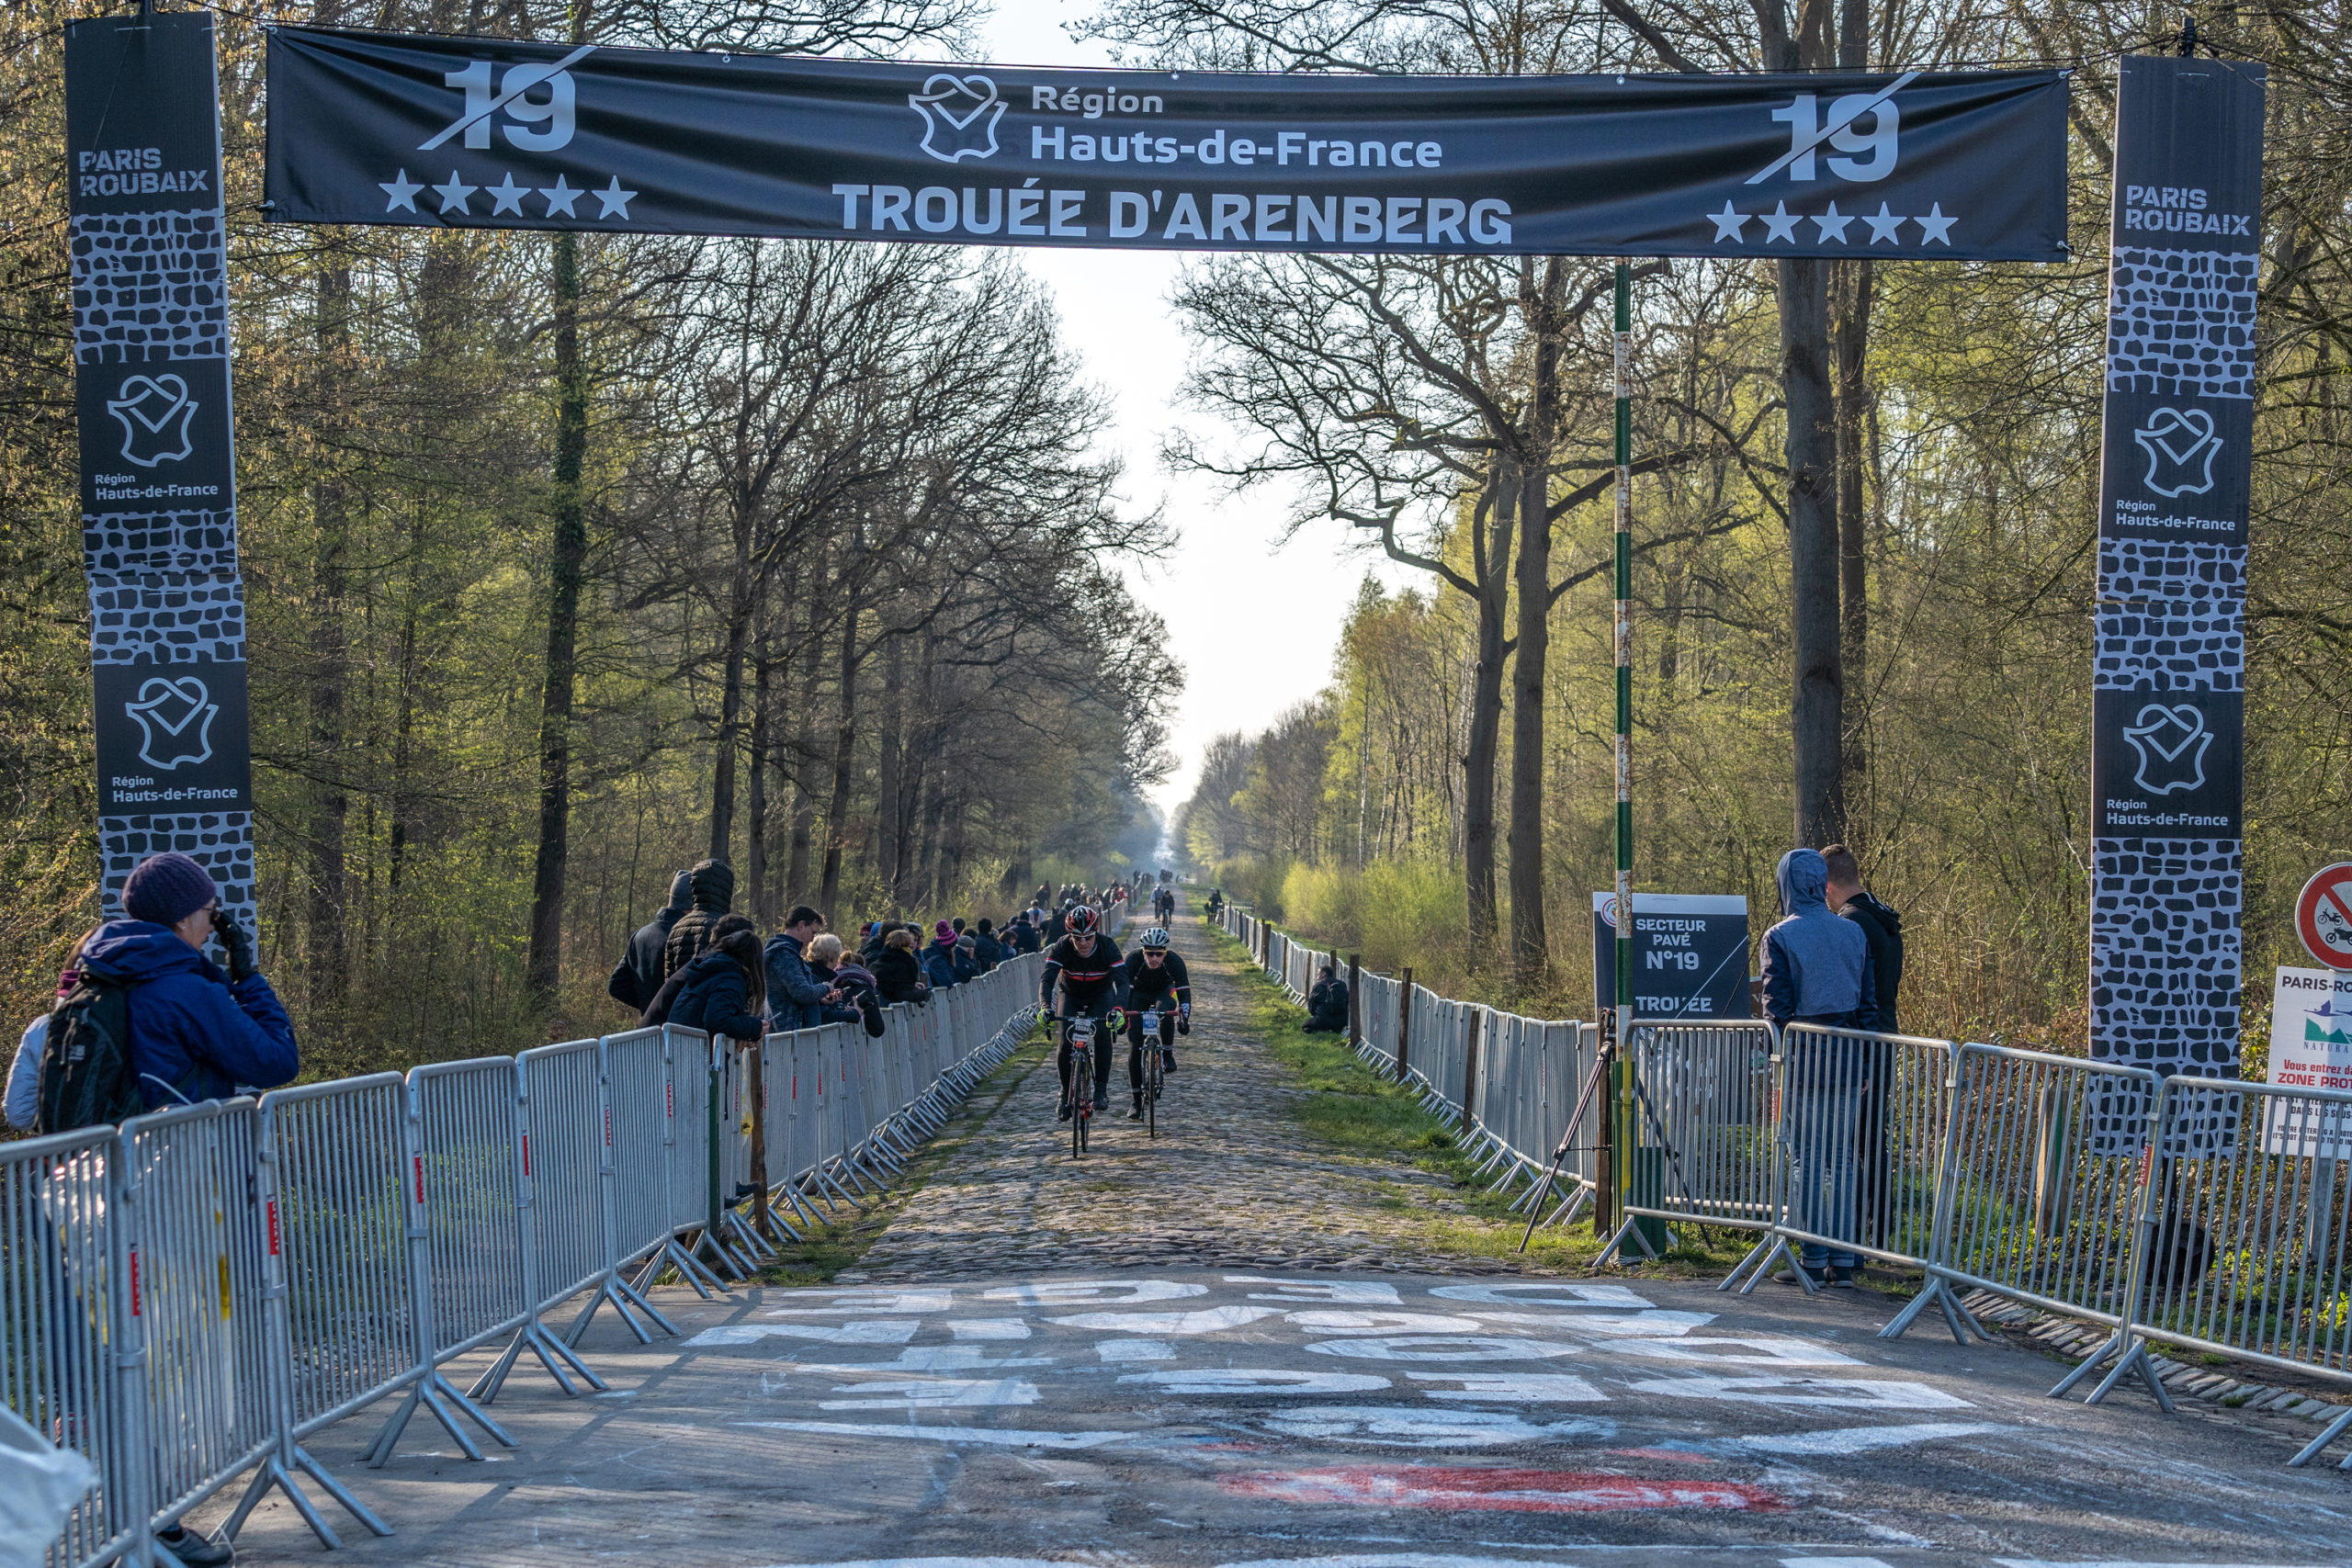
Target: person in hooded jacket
(639,973)
(665,1001)
(799,1000)
(196,1033)
(853,980)
(939,958)
(711,884)
(898,973)
(1817,971)
(986,947)
(1883,929)
(968,958)
(724,987)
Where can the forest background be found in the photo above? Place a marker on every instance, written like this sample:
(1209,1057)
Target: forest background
(571,561)
(1942,516)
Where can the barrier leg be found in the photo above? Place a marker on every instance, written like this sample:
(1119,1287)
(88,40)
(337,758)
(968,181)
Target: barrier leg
(2131,1353)
(1774,1247)
(1956,1313)
(430,1391)
(1631,1231)
(2318,1445)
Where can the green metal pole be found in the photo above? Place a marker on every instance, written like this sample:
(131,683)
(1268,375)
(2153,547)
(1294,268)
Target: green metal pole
(1621,1077)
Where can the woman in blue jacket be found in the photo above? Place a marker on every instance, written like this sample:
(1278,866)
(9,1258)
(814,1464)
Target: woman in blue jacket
(726,990)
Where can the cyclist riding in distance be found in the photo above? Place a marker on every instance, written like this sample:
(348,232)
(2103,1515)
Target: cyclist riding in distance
(1084,966)
(1153,976)
(1163,904)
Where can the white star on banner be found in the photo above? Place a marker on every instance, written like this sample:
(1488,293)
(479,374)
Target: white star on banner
(1832,223)
(507,195)
(614,199)
(560,198)
(1781,223)
(453,195)
(400,190)
(1727,223)
(1886,226)
(1935,229)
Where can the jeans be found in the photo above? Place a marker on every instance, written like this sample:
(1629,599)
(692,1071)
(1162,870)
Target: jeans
(1821,1120)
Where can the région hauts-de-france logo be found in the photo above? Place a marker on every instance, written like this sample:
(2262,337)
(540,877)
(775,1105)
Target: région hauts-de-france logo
(2171,743)
(2181,445)
(960,116)
(154,412)
(175,720)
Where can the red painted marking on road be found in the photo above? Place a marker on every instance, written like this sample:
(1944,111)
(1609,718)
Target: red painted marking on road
(1510,1491)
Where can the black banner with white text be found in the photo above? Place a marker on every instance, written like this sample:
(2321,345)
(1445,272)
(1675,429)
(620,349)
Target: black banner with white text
(379,128)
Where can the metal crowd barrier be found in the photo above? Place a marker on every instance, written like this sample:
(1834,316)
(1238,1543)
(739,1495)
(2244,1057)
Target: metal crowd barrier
(187,1297)
(2199,1213)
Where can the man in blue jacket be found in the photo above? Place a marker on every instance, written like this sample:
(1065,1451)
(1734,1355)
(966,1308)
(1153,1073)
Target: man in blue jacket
(1817,970)
(196,1033)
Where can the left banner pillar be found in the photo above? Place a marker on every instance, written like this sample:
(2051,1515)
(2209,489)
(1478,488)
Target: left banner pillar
(159,519)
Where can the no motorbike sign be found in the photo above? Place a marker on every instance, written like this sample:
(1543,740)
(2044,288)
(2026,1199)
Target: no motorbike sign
(2323,916)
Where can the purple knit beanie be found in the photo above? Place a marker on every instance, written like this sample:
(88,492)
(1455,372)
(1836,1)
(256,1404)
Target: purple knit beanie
(943,931)
(167,888)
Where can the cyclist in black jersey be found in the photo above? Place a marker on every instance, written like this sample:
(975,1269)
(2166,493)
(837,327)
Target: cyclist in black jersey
(1163,904)
(1085,965)
(1153,976)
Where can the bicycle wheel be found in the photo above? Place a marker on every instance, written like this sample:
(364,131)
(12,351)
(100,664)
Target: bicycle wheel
(1151,1089)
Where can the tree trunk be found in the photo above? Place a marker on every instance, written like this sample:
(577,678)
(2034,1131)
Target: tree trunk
(1815,711)
(756,813)
(1478,758)
(804,741)
(844,742)
(1854,297)
(328,947)
(891,831)
(730,688)
(567,565)
(1540,293)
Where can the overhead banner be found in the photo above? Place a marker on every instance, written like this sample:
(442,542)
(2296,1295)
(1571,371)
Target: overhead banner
(2168,687)
(1690,955)
(382,128)
(159,520)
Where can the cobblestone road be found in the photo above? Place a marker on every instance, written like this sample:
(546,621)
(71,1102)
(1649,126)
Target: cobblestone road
(1230,1182)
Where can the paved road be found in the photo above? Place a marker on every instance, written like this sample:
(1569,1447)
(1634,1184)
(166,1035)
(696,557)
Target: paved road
(996,1402)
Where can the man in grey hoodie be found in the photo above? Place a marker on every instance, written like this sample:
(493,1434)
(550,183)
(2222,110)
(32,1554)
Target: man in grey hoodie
(1817,970)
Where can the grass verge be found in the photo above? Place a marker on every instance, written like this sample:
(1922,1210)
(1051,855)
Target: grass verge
(1355,1111)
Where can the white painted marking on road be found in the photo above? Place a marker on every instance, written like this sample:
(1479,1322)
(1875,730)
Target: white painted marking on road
(1863,1440)
(933,1359)
(1210,1320)
(1106,1293)
(1419,1426)
(1851,1393)
(1383,1323)
(1437,1347)
(934,1562)
(994,1436)
(1833,1562)
(2138,1562)
(989,1328)
(1530,1388)
(1362,1292)
(1655,1324)
(919,1302)
(1134,1349)
(1256,1380)
(1761,1349)
(1392,1560)
(1555,1292)
(882,1331)
(931,1394)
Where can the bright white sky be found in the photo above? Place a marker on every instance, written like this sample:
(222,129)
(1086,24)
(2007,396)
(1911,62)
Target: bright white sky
(1252,627)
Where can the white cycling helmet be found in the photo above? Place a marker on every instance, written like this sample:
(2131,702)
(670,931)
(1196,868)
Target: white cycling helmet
(1156,938)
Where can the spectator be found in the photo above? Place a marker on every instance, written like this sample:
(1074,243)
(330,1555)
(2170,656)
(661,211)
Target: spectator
(939,958)
(1054,925)
(23,1073)
(712,885)
(898,973)
(986,947)
(1882,928)
(665,1001)
(956,925)
(853,979)
(1817,971)
(968,958)
(795,999)
(1023,934)
(196,1033)
(639,973)
(871,948)
(723,990)
(1326,1004)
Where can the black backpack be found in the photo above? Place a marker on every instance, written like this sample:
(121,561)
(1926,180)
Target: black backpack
(85,1077)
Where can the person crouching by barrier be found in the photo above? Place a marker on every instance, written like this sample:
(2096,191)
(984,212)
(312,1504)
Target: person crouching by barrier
(1326,1004)
(1817,970)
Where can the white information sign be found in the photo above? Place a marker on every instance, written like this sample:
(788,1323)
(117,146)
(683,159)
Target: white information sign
(2311,1047)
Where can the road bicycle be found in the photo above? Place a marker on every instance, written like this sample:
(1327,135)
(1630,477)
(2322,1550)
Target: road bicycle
(1154,1072)
(1079,1086)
